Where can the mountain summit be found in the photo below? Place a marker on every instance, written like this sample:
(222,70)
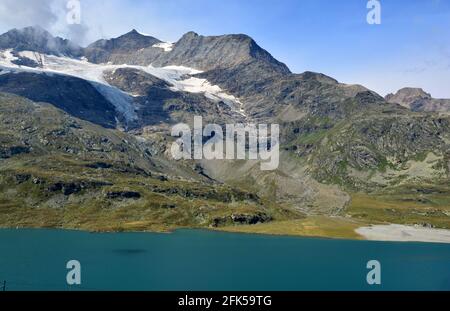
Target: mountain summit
(103,50)
(417,99)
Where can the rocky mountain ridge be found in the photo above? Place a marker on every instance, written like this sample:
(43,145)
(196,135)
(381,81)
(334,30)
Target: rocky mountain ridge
(340,144)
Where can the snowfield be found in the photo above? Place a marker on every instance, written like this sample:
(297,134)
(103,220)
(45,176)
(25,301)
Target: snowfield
(166,46)
(124,103)
(7,56)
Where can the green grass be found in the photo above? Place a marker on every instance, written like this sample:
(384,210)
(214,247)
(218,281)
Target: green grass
(402,208)
(313,226)
(163,205)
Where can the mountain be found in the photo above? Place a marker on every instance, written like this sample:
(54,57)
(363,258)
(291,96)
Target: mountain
(117,49)
(417,99)
(105,115)
(192,50)
(39,40)
(214,52)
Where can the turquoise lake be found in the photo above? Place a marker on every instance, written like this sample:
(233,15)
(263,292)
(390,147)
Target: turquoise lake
(207,260)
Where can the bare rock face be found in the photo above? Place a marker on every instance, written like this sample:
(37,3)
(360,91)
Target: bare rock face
(213,52)
(75,96)
(134,81)
(417,99)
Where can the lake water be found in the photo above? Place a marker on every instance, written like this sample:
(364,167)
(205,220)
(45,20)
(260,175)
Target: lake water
(206,260)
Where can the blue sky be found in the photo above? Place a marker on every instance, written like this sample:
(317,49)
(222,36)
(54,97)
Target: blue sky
(411,47)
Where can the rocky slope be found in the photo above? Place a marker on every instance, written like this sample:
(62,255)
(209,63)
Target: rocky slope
(156,101)
(214,52)
(73,95)
(59,171)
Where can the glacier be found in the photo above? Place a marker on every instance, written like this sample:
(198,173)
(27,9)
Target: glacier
(179,77)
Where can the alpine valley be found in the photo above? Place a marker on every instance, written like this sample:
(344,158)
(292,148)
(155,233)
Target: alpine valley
(85,141)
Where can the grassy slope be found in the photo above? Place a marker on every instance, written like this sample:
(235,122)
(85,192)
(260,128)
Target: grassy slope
(163,204)
(402,208)
(312,226)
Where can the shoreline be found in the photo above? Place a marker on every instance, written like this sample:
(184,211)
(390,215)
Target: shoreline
(382,233)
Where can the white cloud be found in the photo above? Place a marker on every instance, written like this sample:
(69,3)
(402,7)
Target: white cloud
(99,19)
(20,13)
(49,14)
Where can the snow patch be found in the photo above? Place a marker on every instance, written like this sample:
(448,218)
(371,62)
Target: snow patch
(6,57)
(179,77)
(213,92)
(34,56)
(142,33)
(166,46)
